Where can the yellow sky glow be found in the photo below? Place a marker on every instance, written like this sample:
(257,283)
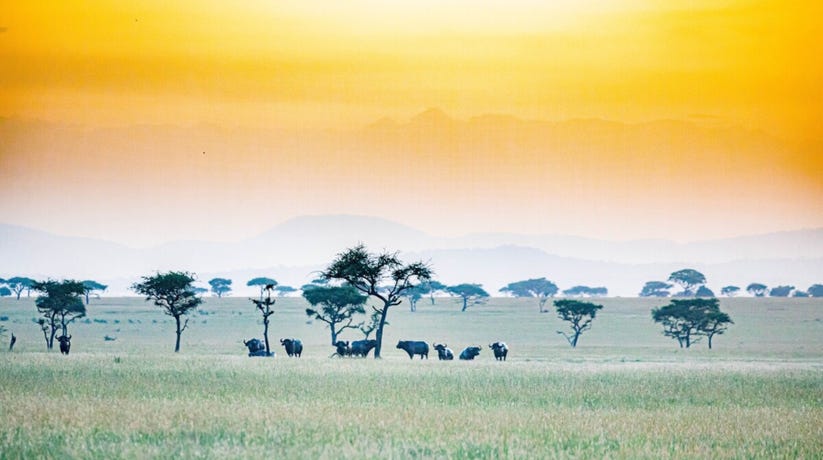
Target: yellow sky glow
(319,66)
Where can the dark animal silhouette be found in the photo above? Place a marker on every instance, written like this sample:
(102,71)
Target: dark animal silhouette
(12,342)
(256,348)
(343,348)
(65,344)
(413,347)
(294,347)
(470,353)
(361,348)
(500,350)
(444,353)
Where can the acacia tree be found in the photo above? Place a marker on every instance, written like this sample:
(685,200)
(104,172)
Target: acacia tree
(687,320)
(539,288)
(174,293)
(689,279)
(729,291)
(470,294)
(4,291)
(264,305)
(655,289)
(60,304)
(584,291)
(578,314)
(282,290)
(757,289)
(367,272)
(413,295)
(781,291)
(431,287)
(338,305)
(815,290)
(715,322)
(18,284)
(261,282)
(91,286)
(220,286)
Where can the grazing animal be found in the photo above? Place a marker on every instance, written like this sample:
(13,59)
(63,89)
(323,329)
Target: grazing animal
(294,347)
(65,344)
(12,342)
(444,353)
(469,353)
(109,338)
(500,350)
(414,347)
(343,348)
(256,348)
(362,347)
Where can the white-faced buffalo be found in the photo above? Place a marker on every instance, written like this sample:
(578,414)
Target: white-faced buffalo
(362,347)
(414,347)
(343,349)
(470,353)
(65,344)
(500,350)
(444,353)
(294,347)
(256,348)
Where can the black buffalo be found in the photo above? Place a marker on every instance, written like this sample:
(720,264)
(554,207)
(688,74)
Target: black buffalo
(444,353)
(294,347)
(362,347)
(256,348)
(470,353)
(343,348)
(413,347)
(65,344)
(500,350)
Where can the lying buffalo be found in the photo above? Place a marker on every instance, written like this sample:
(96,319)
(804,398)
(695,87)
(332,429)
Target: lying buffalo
(444,353)
(343,348)
(500,350)
(65,344)
(294,347)
(362,347)
(470,353)
(257,348)
(413,347)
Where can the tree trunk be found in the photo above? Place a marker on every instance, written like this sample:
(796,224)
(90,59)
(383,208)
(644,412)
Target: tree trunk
(87,297)
(333,335)
(465,303)
(179,332)
(266,334)
(51,336)
(574,340)
(379,335)
(710,341)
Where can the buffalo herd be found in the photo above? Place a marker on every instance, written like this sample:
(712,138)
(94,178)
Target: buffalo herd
(362,348)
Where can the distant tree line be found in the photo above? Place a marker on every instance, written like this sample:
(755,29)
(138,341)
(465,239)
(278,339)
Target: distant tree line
(338,298)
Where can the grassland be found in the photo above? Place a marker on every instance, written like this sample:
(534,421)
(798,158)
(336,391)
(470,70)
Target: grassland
(625,392)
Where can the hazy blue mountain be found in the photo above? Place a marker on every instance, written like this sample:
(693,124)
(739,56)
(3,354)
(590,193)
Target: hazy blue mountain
(300,246)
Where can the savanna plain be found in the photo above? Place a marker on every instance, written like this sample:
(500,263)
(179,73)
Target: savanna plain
(626,391)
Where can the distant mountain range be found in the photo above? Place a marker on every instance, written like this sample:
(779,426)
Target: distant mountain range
(293,251)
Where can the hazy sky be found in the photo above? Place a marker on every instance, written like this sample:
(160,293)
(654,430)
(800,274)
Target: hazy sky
(215,120)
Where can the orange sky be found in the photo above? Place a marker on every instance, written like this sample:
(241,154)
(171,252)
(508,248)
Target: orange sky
(262,71)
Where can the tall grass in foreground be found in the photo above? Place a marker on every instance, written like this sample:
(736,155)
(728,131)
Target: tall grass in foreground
(90,406)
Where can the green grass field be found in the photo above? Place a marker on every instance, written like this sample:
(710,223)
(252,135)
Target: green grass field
(625,392)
